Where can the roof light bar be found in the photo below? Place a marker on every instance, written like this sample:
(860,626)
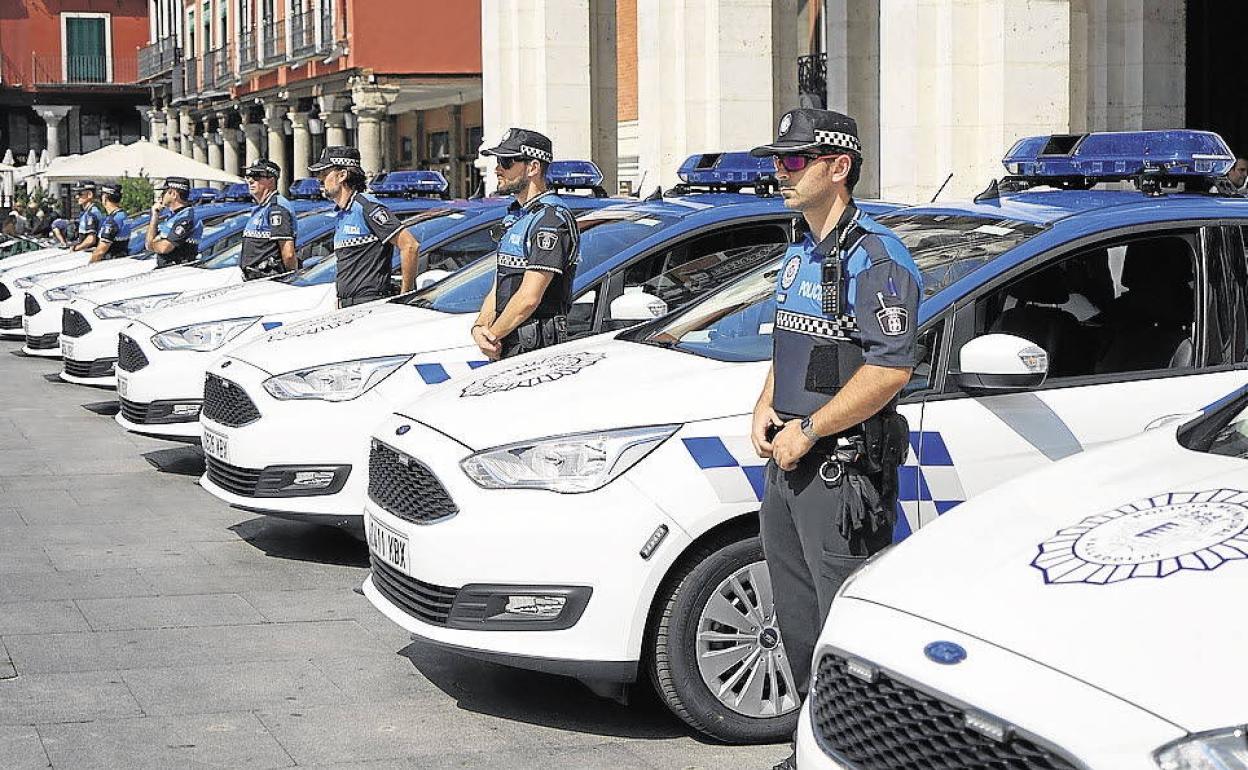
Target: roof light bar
(1081,160)
(730,171)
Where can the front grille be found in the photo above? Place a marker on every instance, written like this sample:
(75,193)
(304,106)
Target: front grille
(49,341)
(100,367)
(11,323)
(130,357)
(73,323)
(888,724)
(32,305)
(425,601)
(231,478)
(227,403)
(404,487)
(4,292)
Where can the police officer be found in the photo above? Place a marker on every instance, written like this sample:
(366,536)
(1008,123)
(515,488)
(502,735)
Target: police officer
(527,308)
(366,233)
(176,240)
(847,300)
(269,237)
(90,218)
(114,238)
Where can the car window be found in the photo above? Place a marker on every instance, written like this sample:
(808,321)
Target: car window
(460,251)
(1226,314)
(1123,306)
(928,344)
(319,249)
(584,308)
(947,247)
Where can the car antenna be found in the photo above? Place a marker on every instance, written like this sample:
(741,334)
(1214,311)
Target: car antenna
(942,187)
(641,183)
(657,195)
(992,193)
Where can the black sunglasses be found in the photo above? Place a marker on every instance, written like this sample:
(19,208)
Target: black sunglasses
(506,163)
(798,161)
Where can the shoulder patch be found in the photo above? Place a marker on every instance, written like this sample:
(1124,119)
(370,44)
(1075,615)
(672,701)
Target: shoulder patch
(547,240)
(791,268)
(380,216)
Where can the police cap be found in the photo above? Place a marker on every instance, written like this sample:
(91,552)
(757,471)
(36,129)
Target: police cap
(263,168)
(110,188)
(336,157)
(804,130)
(84,185)
(179,183)
(523,143)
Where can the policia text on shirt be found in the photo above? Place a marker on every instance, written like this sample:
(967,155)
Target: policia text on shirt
(844,344)
(528,307)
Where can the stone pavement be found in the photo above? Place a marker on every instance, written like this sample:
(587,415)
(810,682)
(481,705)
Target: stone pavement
(145,624)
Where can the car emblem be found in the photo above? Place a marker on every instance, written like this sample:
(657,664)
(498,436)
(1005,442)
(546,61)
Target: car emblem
(402,430)
(945,653)
(225,364)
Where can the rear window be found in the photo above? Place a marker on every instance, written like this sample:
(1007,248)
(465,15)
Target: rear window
(947,247)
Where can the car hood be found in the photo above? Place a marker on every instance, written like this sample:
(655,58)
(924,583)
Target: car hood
(99,271)
(593,384)
(167,280)
(20,260)
(51,264)
(1021,567)
(376,329)
(255,298)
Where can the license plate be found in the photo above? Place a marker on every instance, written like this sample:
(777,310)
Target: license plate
(123,386)
(26,324)
(216,446)
(388,545)
(67,348)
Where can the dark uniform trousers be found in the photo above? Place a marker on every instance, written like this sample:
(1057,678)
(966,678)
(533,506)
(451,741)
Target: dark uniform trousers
(534,334)
(807,556)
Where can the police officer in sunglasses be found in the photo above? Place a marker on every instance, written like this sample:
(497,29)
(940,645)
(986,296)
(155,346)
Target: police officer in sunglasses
(269,236)
(847,301)
(537,253)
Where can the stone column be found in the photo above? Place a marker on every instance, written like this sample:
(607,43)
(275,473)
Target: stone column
(214,151)
(230,150)
(52,116)
(456,148)
(253,136)
(173,131)
(301,148)
(273,114)
(187,130)
(156,123)
(335,127)
(145,128)
(371,101)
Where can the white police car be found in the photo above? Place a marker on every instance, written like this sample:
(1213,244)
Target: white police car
(285,418)
(16,278)
(1080,616)
(616,504)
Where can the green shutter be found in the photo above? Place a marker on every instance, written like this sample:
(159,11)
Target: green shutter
(86,56)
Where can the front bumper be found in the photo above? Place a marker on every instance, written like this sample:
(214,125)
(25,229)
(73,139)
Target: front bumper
(90,356)
(11,310)
(527,542)
(43,327)
(1034,705)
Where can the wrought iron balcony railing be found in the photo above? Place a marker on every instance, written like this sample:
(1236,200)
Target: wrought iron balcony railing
(273,42)
(247,50)
(812,78)
(94,70)
(302,35)
(158,58)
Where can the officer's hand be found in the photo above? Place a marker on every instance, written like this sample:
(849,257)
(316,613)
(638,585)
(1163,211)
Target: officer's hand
(764,417)
(487,343)
(156,209)
(790,445)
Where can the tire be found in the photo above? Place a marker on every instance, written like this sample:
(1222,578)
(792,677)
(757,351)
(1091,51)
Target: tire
(759,701)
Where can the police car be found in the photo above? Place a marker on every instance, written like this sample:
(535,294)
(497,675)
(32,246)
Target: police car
(285,417)
(1105,596)
(48,293)
(161,379)
(616,506)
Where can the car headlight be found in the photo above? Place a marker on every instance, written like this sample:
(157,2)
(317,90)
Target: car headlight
(202,337)
(1215,750)
(134,306)
(581,462)
(342,381)
(66,293)
(28,281)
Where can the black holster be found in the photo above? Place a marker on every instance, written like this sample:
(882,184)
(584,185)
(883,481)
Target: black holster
(535,334)
(886,444)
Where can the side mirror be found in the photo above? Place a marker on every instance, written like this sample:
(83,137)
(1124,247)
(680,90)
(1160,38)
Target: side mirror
(430,277)
(1001,363)
(636,305)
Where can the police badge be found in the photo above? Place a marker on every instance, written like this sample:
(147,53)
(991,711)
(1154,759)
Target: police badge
(894,320)
(785,122)
(547,241)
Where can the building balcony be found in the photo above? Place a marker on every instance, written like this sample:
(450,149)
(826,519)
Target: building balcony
(190,76)
(156,59)
(328,33)
(273,43)
(812,79)
(216,68)
(302,35)
(247,50)
(83,71)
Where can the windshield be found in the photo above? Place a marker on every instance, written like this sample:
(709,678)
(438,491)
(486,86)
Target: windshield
(604,233)
(1222,430)
(947,247)
(731,325)
(430,224)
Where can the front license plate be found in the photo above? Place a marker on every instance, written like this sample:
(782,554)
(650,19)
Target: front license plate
(216,446)
(123,385)
(67,348)
(388,545)
(26,324)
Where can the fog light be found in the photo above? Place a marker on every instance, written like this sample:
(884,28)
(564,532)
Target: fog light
(312,479)
(185,410)
(536,606)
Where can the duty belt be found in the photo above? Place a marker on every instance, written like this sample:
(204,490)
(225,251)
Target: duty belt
(838,328)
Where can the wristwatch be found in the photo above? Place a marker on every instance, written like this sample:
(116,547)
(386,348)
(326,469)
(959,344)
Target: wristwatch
(808,429)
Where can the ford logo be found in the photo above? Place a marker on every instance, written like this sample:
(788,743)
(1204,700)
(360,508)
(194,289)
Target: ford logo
(402,429)
(945,653)
(225,364)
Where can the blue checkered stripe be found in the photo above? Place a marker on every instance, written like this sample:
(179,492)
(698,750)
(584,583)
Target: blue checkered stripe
(433,372)
(735,472)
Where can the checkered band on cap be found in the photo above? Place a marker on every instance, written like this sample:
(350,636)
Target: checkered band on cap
(838,139)
(838,328)
(175,185)
(347,162)
(534,152)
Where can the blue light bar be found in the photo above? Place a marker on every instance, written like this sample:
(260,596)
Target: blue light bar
(235,192)
(574,174)
(1113,156)
(408,183)
(306,189)
(202,195)
(725,170)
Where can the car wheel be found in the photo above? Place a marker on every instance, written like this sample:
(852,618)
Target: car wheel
(716,656)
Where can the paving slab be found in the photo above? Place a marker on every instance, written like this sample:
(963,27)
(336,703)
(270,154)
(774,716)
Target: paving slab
(233,687)
(31,699)
(41,617)
(72,584)
(169,612)
(21,749)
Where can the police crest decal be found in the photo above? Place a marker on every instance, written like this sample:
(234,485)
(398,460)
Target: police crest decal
(785,122)
(532,373)
(1155,537)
